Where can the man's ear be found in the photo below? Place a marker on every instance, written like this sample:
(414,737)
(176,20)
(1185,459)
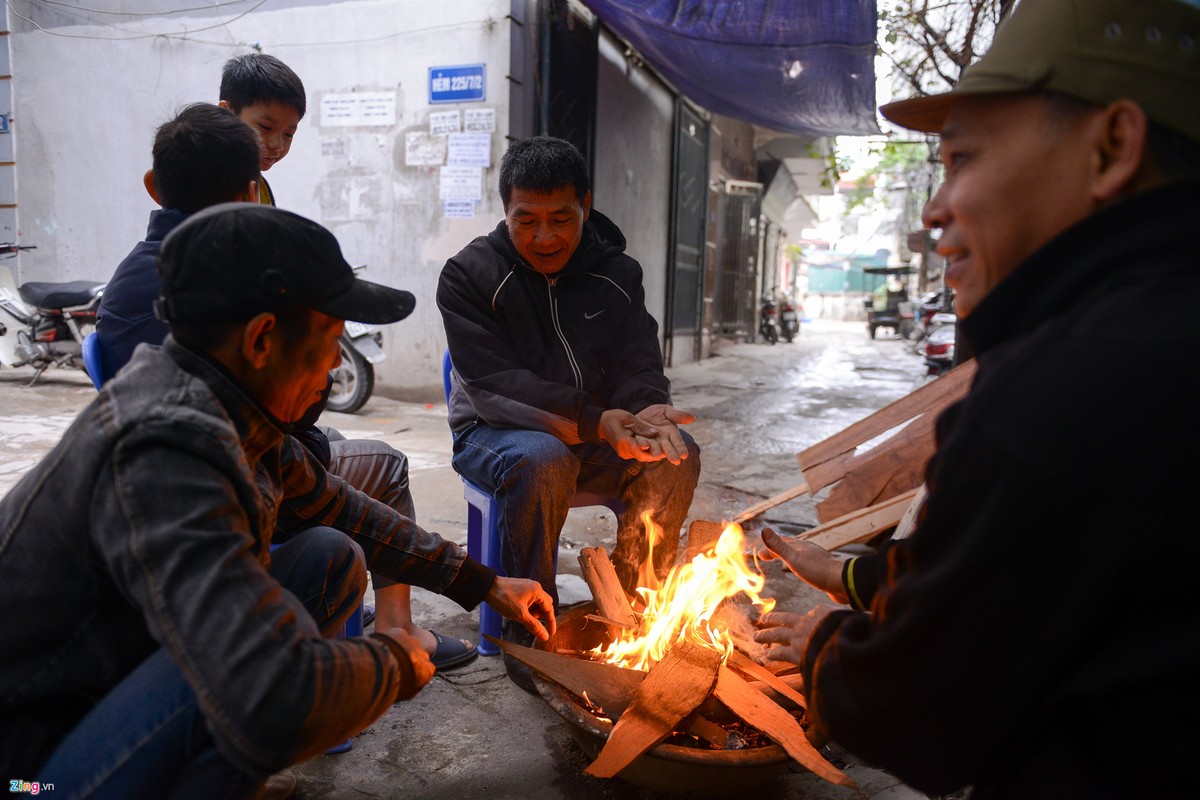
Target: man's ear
(151,189)
(251,193)
(257,340)
(225,105)
(1120,149)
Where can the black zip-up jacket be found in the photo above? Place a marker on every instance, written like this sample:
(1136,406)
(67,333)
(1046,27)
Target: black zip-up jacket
(1038,634)
(549,353)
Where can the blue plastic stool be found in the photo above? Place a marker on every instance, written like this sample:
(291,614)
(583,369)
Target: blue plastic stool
(483,533)
(91,359)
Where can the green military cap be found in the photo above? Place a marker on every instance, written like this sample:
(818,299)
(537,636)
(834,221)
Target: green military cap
(1099,51)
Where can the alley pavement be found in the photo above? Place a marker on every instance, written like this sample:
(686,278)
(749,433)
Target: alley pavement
(472,733)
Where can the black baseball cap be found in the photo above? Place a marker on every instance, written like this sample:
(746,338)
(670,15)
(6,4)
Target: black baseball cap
(231,261)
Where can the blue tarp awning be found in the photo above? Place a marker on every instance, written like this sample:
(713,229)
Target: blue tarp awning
(797,66)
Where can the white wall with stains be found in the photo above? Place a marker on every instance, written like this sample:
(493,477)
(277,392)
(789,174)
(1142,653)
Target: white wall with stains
(88,96)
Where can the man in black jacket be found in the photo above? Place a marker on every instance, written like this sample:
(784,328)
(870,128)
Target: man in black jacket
(1038,636)
(558,380)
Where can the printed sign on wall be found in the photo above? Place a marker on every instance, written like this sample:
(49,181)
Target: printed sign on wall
(464,83)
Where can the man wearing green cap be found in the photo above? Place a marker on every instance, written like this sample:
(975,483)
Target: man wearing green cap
(1038,636)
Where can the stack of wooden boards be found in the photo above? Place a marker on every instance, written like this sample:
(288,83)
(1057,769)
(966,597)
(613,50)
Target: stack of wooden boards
(882,487)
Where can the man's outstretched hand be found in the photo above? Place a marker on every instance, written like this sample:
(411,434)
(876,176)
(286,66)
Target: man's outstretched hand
(524,601)
(809,562)
(788,633)
(650,435)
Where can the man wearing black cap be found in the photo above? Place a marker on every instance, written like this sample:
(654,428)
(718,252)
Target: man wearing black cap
(1038,636)
(171,653)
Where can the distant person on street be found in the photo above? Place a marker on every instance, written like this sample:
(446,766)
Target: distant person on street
(162,649)
(558,380)
(1038,635)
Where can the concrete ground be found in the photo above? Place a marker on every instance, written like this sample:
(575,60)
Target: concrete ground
(472,733)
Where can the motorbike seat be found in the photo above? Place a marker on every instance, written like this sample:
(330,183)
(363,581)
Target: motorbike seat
(60,295)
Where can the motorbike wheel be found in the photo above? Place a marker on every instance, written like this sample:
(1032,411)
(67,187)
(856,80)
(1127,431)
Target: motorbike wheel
(906,329)
(353,382)
(771,335)
(790,335)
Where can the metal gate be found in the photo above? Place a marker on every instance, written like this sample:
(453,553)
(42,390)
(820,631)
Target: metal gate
(568,78)
(685,257)
(737,258)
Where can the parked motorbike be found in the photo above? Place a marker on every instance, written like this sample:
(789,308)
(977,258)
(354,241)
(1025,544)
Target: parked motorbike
(354,378)
(789,320)
(44,324)
(935,302)
(938,346)
(768,322)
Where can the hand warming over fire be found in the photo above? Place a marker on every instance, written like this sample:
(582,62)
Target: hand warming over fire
(666,420)
(788,633)
(809,562)
(628,436)
(523,601)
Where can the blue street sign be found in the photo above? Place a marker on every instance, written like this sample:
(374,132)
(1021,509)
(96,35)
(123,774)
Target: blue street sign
(465,83)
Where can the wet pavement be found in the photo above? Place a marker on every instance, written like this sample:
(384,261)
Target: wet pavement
(472,733)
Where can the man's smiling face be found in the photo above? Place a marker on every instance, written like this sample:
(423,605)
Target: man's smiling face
(545,228)
(1017,175)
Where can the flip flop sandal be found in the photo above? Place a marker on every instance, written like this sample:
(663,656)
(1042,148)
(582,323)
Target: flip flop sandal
(451,652)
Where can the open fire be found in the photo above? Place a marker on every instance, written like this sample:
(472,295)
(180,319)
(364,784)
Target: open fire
(687,606)
(679,662)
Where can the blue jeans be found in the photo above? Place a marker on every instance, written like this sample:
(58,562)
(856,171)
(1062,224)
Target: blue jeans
(147,737)
(533,476)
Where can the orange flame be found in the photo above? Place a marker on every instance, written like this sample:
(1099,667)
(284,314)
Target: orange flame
(685,605)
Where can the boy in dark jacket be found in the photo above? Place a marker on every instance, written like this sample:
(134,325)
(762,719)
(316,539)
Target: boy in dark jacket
(558,381)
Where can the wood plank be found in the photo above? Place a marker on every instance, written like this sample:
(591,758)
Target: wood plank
(672,690)
(753,511)
(702,535)
(860,525)
(747,666)
(609,687)
(601,578)
(781,726)
(891,468)
(931,398)
(909,521)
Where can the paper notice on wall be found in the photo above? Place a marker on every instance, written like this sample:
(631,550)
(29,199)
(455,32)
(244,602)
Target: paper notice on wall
(458,209)
(423,149)
(358,108)
(444,122)
(469,150)
(461,183)
(480,120)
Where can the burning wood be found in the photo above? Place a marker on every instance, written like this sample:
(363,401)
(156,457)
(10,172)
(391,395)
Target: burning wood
(601,577)
(672,690)
(665,669)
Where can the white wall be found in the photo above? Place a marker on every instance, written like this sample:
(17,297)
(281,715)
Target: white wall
(89,98)
(632,180)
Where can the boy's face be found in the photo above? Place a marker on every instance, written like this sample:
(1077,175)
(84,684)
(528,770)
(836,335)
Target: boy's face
(276,124)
